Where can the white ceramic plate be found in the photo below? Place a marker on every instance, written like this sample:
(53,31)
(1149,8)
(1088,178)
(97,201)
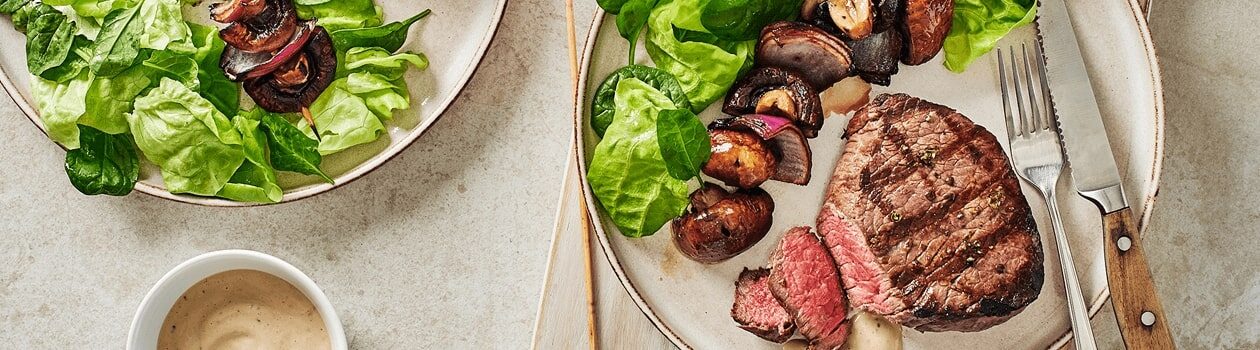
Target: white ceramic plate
(691,302)
(454,37)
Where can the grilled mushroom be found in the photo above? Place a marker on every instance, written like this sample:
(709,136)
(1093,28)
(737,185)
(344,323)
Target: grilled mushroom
(265,31)
(926,25)
(778,92)
(785,141)
(720,225)
(235,10)
(875,58)
(740,158)
(853,17)
(296,82)
(241,65)
(819,57)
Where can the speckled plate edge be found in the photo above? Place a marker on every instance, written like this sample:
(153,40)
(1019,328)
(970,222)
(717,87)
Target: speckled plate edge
(579,97)
(309,191)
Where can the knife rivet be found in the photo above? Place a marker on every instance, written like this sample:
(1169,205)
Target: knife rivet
(1124,243)
(1148,318)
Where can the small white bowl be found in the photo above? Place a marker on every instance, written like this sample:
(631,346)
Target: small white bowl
(152,312)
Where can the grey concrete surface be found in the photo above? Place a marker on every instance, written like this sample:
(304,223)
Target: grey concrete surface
(441,248)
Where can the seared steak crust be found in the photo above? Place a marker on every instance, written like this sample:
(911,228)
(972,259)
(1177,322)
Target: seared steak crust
(927,221)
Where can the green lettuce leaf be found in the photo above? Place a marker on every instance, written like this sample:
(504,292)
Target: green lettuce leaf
(61,106)
(255,180)
(979,24)
(109,99)
(336,15)
(154,24)
(93,8)
(215,86)
(194,144)
(381,95)
(705,69)
(604,106)
(343,118)
(377,60)
(627,173)
(104,164)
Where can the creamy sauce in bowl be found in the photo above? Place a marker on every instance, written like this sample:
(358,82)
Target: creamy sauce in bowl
(243,309)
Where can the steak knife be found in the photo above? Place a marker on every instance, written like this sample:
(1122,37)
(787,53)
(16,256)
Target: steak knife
(1138,310)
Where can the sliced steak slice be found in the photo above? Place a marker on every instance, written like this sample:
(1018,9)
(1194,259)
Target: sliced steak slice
(803,277)
(757,311)
(927,221)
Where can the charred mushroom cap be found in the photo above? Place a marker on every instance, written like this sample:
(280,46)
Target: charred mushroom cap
(820,58)
(887,14)
(809,9)
(724,228)
(853,17)
(266,31)
(235,10)
(286,90)
(875,58)
(778,92)
(786,141)
(926,24)
(740,158)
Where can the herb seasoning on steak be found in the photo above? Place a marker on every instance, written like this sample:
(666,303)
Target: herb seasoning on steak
(927,221)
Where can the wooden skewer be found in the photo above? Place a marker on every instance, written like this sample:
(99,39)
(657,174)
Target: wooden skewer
(574,70)
(306,114)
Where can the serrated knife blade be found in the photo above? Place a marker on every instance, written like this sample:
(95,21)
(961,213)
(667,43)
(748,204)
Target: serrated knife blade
(1093,166)
(1139,314)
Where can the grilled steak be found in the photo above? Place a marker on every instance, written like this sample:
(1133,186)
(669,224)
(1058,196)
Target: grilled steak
(757,311)
(804,279)
(927,222)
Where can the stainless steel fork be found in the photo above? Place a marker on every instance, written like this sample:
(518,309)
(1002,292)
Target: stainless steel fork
(1038,158)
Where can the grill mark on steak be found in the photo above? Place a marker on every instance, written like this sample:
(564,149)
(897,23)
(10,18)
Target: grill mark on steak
(936,206)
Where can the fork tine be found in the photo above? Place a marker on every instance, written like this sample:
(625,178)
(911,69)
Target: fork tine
(1034,113)
(1006,97)
(1047,106)
(1019,95)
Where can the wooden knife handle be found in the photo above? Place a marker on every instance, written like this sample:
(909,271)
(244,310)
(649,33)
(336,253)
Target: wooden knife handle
(1138,310)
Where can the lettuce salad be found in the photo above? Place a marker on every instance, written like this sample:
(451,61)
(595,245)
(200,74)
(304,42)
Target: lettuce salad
(115,80)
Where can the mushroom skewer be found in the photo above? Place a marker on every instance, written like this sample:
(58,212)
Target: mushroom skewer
(285,64)
(306,114)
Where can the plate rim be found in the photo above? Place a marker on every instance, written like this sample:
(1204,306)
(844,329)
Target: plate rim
(579,96)
(359,171)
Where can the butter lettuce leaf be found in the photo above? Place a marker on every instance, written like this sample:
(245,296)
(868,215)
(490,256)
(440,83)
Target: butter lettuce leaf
(335,15)
(343,119)
(255,180)
(377,60)
(61,105)
(628,174)
(195,145)
(706,70)
(979,24)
